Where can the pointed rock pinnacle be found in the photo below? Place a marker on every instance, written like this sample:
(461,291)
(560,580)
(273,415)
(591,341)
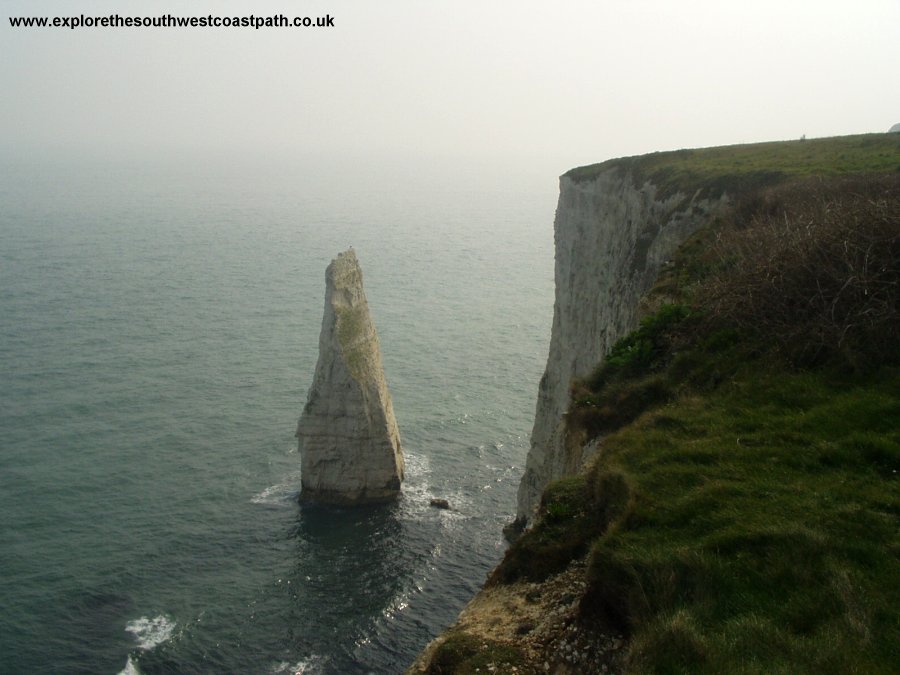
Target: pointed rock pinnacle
(348,437)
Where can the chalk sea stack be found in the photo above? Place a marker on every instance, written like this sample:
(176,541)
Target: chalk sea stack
(348,437)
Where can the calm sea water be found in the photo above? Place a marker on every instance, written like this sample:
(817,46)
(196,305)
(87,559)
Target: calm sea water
(158,333)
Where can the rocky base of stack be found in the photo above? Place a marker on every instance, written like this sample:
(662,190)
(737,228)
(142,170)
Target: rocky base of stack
(370,495)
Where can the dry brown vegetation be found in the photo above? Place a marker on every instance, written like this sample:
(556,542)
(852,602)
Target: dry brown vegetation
(814,268)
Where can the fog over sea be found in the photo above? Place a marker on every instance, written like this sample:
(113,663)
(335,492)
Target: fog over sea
(159,330)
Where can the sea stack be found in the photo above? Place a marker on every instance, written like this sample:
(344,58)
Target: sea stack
(349,442)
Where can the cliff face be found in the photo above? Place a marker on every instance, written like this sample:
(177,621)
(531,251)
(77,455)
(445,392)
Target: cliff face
(349,441)
(612,238)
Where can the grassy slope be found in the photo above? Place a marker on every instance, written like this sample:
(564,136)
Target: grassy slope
(744,517)
(762,534)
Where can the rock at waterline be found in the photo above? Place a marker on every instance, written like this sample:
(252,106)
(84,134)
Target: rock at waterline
(348,437)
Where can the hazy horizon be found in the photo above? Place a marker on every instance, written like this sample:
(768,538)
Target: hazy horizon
(407,83)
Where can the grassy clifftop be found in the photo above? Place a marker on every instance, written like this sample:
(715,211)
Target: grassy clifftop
(739,168)
(743,511)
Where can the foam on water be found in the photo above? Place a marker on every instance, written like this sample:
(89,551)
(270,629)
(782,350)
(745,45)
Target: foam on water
(307,666)
(281,494)
(130,668)
(151,632)
(417,489)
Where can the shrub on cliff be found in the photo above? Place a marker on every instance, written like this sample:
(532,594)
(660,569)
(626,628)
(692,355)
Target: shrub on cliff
(567,527)
(814,269)
(630,379)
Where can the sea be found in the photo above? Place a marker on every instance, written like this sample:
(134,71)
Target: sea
(159,326)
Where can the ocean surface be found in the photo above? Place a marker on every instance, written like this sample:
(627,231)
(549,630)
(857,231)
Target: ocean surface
(158,334)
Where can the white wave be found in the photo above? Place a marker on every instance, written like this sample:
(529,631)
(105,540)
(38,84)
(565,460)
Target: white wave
(416,488)
(307,666)
(130,668)
(151,632)
(416,465)
(418,492)
(279,495)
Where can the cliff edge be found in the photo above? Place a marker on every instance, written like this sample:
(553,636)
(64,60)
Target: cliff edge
(348,436)
(613,234)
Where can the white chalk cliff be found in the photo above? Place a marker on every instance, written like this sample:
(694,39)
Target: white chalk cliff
(612,238)
(348,436)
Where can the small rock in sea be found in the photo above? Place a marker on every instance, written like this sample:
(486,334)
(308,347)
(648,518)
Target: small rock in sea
(440,503)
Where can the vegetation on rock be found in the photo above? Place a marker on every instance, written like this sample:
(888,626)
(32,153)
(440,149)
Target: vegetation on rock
(461,654)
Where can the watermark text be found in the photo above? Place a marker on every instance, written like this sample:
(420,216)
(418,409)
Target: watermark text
(253,21)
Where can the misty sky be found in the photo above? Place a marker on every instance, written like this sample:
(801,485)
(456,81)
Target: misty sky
(555,84)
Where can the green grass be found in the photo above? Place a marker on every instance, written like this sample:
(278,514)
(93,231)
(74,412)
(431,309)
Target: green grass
(763,534)
(750,529)
(738,168)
